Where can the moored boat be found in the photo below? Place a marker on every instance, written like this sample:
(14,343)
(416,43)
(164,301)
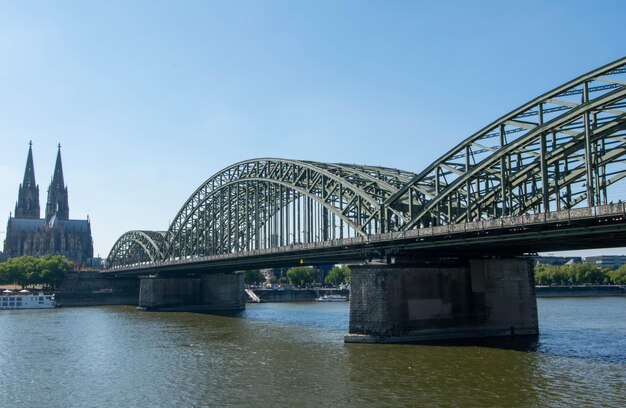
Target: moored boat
(332,298)
(25,300)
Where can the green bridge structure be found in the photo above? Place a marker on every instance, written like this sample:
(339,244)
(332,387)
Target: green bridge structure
(438,253)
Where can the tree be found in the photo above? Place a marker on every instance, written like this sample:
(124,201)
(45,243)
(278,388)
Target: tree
(21,270)
(618,276)
(542,275)
(28,270)
(253,277)
(4,273)
(587,273)
(300,275)
(578,274)
(53,269)
(338,275)
(10,271)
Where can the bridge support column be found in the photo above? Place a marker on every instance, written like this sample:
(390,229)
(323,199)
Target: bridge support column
(488,298)
(216,292)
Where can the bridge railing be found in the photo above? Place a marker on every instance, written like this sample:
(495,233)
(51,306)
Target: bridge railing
(555,216)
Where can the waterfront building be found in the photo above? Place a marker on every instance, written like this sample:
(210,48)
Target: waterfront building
(56,234)
(606,261)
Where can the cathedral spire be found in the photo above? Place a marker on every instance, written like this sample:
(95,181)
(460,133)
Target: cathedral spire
(57,204)
(28,196)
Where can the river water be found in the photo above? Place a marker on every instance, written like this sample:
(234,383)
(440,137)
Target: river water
(293,355)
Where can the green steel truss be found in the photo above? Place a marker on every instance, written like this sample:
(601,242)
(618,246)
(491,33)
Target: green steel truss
(135,247)
(562,150)
(265,203)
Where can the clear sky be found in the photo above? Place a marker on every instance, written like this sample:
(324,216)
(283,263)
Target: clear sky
(150,98)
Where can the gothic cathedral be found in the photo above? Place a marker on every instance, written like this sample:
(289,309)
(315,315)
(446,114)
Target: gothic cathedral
(27,234)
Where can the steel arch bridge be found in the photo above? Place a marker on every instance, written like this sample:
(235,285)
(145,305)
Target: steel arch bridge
(137,247)
(564,149)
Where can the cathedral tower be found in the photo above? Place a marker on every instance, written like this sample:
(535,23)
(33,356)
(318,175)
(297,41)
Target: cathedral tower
(57,204)
(27,234)
(28,196)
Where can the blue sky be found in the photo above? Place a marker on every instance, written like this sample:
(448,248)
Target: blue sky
(150,98)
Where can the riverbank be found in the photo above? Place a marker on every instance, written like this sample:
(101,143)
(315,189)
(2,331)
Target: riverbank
(91,289)
(580,291)
(296,295)
(309,295)
(88,289)
(129,296)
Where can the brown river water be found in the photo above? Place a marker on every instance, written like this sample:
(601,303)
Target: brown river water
(293,355)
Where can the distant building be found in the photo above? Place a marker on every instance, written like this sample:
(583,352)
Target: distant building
(56,234)
(557,260)
(606,261)
(97,263)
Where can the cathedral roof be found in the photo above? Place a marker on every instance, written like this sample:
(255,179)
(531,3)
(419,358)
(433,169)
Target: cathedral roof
(26,224)
(30,224)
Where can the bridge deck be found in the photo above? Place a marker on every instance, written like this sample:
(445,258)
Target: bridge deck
(593,227)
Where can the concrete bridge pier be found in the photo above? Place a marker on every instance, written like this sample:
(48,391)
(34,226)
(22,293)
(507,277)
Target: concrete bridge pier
(206,293)
(485,298)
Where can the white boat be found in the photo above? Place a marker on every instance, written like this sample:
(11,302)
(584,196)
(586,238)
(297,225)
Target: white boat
(332,298)
(25,300)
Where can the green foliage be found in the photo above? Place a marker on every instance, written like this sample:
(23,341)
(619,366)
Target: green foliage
(618,276)
(338,275)
(300,275)
(578,274)
(48,270)
(53,269)
(253,277)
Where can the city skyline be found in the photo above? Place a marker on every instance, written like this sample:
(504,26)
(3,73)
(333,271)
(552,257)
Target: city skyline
(148,100)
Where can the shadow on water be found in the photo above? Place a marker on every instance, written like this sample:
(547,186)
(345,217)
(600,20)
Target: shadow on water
(597,337)
(581,344)
(237,314)
(527,343)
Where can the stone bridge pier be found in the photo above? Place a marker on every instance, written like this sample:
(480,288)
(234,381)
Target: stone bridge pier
(204,293)
(485,298)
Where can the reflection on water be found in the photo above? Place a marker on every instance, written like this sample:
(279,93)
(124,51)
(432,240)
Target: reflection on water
(285,355)
(517,343)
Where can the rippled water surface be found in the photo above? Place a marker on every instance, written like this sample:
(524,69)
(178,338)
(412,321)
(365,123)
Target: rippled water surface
(292,354)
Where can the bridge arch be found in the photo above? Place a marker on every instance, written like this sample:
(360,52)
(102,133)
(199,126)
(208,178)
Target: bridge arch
(269,202)
(135,247)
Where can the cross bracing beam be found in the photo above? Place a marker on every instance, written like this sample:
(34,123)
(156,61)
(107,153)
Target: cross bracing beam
(522,145)
(613,152)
